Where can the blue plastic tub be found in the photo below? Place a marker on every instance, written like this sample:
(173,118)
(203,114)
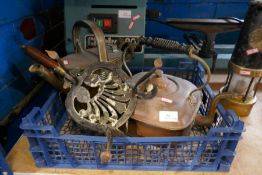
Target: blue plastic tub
(57,142)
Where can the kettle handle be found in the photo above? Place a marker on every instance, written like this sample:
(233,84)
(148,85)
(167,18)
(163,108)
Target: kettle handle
(141,80)
(99,35)
(158,64)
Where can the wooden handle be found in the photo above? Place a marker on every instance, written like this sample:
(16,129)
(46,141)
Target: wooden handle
(40,57)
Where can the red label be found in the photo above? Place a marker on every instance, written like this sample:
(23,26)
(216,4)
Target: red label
(245,72)
(65,62)
(166,100)
(136,17)
(252,51)
(132,22)
(130,25)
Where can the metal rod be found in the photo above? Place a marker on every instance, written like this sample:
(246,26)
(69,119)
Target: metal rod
(16,110)
(256,88)
(211,38)
(228,75)
(229,81)
(245,97)
(229,78)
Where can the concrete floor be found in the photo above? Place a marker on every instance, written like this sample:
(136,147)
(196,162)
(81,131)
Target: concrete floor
(247,160)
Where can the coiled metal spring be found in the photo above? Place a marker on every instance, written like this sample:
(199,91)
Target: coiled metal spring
(166,44)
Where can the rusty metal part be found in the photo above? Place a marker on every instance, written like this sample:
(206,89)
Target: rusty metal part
(99,35)
(208,120)
(47,75)
(171,96)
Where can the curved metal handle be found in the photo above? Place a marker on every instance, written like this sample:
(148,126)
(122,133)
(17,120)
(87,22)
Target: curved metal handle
(141,80)
(99,35)
(205,65)
(158,64)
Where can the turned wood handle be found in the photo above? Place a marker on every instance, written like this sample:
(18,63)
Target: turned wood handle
(40,57)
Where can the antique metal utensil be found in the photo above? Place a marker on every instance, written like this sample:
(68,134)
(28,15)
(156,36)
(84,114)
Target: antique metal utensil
(170,112)
(100,100)
(99,97)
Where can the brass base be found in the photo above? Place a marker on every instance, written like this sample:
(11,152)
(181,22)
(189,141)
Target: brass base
(242,109)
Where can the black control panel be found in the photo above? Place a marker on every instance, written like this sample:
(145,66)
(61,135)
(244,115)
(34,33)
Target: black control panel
(107,22)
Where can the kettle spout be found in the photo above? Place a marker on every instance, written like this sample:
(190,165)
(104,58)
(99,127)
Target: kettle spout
(209,119)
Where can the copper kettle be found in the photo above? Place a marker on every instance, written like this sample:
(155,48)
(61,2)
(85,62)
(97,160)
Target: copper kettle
(171,112)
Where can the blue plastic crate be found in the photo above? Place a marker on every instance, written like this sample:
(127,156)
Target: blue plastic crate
(57,142)
(4,168)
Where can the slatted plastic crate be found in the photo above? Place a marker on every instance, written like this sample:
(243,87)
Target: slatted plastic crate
(57,142)
(4,168)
